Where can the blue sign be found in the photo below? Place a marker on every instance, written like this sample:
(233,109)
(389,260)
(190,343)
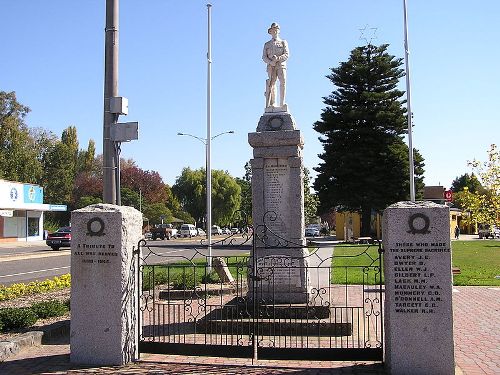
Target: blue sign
(33,193)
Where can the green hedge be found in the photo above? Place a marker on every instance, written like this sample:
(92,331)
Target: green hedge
(25,317)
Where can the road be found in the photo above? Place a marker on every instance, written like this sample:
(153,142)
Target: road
(25,262)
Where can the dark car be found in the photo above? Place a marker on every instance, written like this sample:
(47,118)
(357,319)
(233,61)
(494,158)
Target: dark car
(60,238)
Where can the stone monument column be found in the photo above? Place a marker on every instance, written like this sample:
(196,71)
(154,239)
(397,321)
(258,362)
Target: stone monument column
(279,256)
(104,284)
(418,289)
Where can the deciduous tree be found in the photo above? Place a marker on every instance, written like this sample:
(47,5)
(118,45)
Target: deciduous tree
(19,160)
(483,205)
(311,200)
(190,188)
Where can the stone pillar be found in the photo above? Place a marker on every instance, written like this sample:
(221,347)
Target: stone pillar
(418,289)
(104,285)
(278,206)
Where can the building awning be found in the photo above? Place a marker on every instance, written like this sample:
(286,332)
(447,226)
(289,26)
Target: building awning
(38,207)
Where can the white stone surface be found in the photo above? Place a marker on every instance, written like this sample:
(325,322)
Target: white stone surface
(222,270)
(275,54)
(278,211)
(418,289)
(104,285)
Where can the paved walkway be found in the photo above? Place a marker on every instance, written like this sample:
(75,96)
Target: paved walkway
(477,351)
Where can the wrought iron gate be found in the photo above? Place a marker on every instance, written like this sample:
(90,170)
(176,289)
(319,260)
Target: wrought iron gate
(185,309)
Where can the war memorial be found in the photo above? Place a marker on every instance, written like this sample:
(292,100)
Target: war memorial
(278,303)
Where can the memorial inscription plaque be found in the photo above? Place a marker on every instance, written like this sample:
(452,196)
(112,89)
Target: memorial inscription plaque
(276,194)
(418,289)
(280,270)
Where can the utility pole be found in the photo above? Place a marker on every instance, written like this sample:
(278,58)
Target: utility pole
(408,107)
(110,90)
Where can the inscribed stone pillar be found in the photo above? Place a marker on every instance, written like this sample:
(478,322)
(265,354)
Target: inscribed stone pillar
(418,289)
(104,285)
(279,256)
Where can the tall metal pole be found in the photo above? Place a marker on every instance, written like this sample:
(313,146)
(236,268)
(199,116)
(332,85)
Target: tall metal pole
(408,106)
(209,140)
(110,90)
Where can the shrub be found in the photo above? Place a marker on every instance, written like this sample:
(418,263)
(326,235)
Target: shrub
(67,303)
(13,317)
(49,309)
(210,278)
(184,280)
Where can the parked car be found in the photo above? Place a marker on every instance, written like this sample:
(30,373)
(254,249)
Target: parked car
(226,231)
(60,238)
(188,230)
(201,232)
(235,230)
(216,229)
(312,232)
(163,231)
(486,231)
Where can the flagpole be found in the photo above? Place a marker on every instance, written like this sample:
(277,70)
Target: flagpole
(408,107)
(209,140)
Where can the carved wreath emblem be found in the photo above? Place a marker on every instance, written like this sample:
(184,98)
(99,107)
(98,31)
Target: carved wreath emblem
(418,228)
(95,227)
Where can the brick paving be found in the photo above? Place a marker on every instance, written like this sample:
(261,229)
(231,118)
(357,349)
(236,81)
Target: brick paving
(477,351)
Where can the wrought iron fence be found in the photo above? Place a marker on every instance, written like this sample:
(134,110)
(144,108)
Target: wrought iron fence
(282,300)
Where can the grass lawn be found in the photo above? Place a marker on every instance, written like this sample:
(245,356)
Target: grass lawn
(356,265)
(479,263)
(478,260)
(185,274)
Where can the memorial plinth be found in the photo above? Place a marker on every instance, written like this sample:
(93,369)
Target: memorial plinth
(104,285)
(418,289)
(279,258)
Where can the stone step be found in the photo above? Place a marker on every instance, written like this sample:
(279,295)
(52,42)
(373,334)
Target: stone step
(276,327)
(274,311)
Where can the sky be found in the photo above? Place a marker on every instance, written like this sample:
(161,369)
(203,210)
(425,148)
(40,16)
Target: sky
(53,58)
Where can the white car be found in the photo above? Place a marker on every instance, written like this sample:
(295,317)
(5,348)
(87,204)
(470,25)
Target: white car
(201,232)
(312,232)
(216,230)
(188,230)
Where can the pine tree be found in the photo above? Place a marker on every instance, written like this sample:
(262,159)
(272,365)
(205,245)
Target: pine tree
(365,160)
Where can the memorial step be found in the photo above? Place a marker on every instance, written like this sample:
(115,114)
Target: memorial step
(235,309)
(275,327)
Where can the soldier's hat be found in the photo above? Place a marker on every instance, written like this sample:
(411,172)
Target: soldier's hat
(274,25)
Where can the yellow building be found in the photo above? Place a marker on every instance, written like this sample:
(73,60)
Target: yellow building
(348,225)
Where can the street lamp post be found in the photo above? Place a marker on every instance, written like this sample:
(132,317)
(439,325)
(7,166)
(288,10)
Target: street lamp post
(208,173)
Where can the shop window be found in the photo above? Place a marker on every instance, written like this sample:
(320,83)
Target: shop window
(33,226)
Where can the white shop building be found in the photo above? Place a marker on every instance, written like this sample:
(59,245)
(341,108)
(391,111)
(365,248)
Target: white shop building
(21,211)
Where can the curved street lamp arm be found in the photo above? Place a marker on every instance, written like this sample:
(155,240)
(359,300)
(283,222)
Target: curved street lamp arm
(202,140)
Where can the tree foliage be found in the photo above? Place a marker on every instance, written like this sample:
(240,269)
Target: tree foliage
(245,184)
(483,205)
(60,169)
(365,160)
(19,160)
(149,183)
(468,181)
(311,201)
(190,188)
(155,211)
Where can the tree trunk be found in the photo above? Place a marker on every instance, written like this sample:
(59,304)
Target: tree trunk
(366,218)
